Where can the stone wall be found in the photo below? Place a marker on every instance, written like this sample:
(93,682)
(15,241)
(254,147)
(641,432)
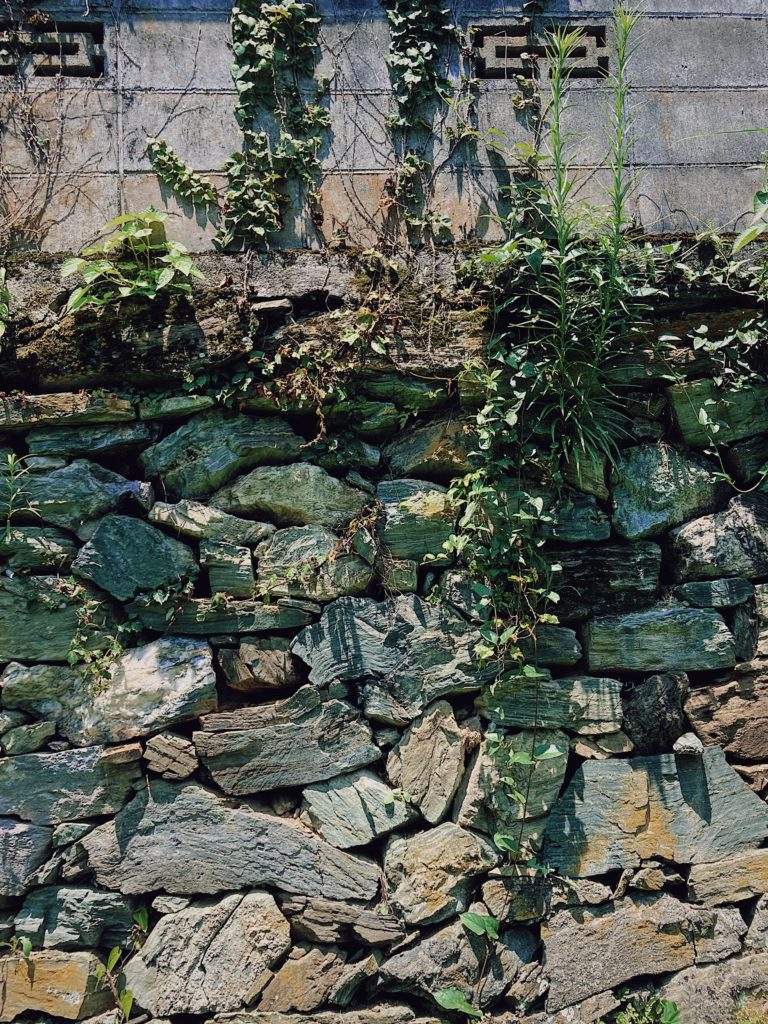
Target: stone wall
(279,766)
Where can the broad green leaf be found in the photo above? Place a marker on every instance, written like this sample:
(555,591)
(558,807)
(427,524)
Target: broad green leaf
(113,958)
(454,999)
(480,924)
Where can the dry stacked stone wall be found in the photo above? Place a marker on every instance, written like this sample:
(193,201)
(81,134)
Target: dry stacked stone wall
(271,789)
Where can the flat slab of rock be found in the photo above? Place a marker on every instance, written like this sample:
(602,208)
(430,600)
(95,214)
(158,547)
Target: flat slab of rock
(734,715)
(436,451)
(716,593)
(260,665)
(403,653)
(63,409)
(741,877)
(66,917)
(202,616)
(590,950)
(107,439)
(193,519)
(656,487)
(230,568)
(588,705)
(174,839)
(300,494)
(78,493)
(711,995)
(211,449)
(428,762)
(290,743)
(729,543)
(37,547)
(212,956)
(688,810)
(384,1013)
(328,921)
(172,756)
(355,809)
(126,556)
(23,848)
(306,980)
(430,874)
(310,562)
(417,518)
(606,578)
(738,414)
(153,687)
(63,985)
(661,639)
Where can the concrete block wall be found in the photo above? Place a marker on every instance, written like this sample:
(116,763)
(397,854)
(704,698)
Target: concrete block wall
(700,88)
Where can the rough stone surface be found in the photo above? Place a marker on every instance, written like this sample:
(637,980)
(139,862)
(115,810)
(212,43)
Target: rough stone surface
(428,762)
(583,704)
(27,739)
(734,715)
(327,921)
(203,616)
(404,653)
(23,848)
(149,688)
(740,877)
(65,917)
(94,441)
(687,810)
(607,578)
(126,556)
(738,413)
(230,568)
(653,711)
(301,494)
(416,520)
(715,593)
(310,561)
(430,873)
(173,757)
(64,409)
(729,543)
(662,639)
(711,995)
(63,985)
(656,487)
(37,547)
(437,451)
(212,956)
(355,809)
(67,786)
(211,449)
(305,981)
(290,743)
(193,519)
(173,839)
(260,665)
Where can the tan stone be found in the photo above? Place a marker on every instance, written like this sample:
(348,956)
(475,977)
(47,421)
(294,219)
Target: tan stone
(734,715)
(55,983)
(727,881)
(25,411)
(305,980)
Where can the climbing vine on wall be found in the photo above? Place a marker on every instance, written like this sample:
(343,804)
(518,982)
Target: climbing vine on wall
(274,47)
(418,29)
(182,180)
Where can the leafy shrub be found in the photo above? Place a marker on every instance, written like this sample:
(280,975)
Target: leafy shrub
(135,259)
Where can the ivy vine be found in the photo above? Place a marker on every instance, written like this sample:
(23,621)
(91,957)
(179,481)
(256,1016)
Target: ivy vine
(181,179)
(418,29)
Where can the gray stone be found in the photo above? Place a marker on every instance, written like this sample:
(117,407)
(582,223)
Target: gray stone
(428,762)
(170,904)
(40,615)
(90,441)
(37,547)
(653,711)
(609,578)
(126,556)
(726,940)
(746,632)
(310,562)
(430,874)
(688,745)
(729,543)
(416,520)
(552,646)
(734,714)
(590,950)
(436,451)
(230,568)
(757,935)
(205,616)
(172,757)
(527,895)
(485,802)
(212,956)
(148,688)
(290,743)
(328,921)
(69,832)
(587,705)
(26,739)
(454,957)
(663,638)
(578,518)
(10,719)
(77,493)
(341,452)
(656,487)
(23,848)
(711,995)
(185,839)
(209,450)
(740,877)
(353,977)
(70,785)
(355,809)
(169,407)
(403,653)
(201,522)
(738,414)
(68,917)
(616,813)
(385,1013)
(260,665)
(306,980)
(747,459)
(63,409)
(300,494)
(715,593)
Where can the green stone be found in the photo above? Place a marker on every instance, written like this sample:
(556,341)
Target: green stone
(738,414)
(437,451)
(170,407)
(90,441)
(417,519)
(37,547)
(407,392)
(204,616)
(310,562)
(586,705)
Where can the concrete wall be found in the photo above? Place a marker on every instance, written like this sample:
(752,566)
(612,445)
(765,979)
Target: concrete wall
(700,76)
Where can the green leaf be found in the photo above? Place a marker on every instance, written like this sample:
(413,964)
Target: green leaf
(480,924)
(141,918)
(126,1002)
(79,298)
(670,1014)
(165,277)
(113,958)
(26,947)
(454,999)
(751,234)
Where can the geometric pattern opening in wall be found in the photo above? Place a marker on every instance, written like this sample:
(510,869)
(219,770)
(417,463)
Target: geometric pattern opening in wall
(74,49)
